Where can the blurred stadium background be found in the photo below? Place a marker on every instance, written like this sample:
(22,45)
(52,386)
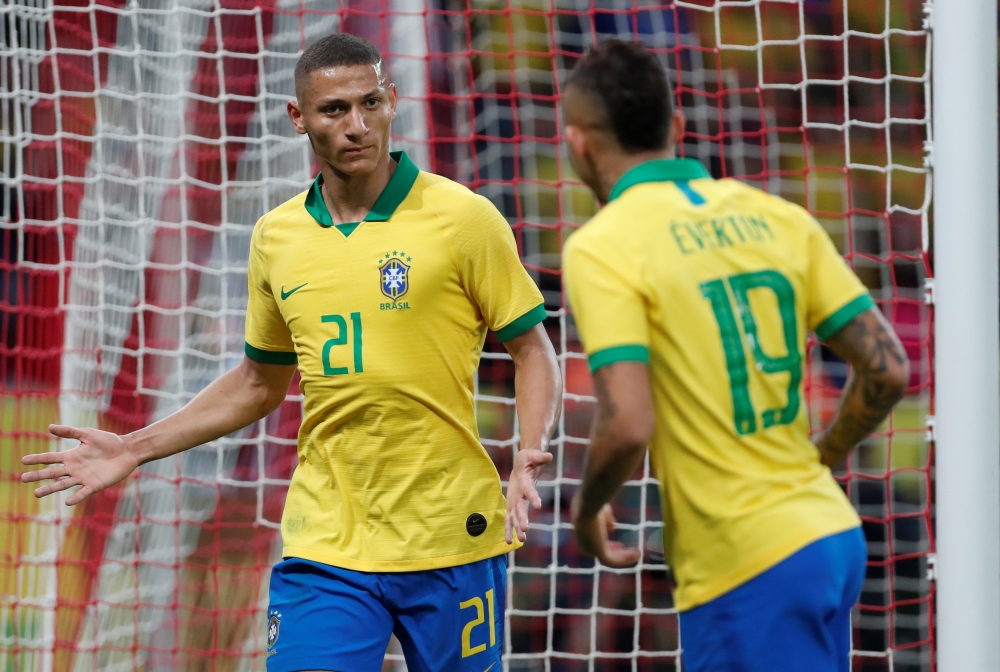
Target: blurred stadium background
(141,140)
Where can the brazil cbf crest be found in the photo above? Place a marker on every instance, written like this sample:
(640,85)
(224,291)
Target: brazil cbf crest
(394,274)
(273,627)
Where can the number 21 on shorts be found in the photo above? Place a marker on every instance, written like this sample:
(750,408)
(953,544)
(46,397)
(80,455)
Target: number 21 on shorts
(739,286)
(477,604)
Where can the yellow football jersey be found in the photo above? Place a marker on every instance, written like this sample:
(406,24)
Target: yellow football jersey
(386,319)
(715,284)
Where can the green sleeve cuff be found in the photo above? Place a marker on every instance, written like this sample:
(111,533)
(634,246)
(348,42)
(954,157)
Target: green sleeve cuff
(268,357)
(619,353)
(840,318)
(522,324)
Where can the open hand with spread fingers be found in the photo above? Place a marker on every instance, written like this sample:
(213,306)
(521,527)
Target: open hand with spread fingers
(101,460)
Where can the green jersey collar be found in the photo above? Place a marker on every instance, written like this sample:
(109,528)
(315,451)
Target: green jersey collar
(659,170)
(399,186)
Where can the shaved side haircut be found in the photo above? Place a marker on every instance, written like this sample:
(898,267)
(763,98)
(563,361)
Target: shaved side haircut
(339,49)
(631,84)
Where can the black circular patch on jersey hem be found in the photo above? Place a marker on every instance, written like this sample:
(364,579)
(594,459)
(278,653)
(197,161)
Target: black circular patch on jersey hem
(475,524)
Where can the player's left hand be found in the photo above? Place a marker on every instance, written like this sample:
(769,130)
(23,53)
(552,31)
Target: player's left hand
(528,464)
(592,538)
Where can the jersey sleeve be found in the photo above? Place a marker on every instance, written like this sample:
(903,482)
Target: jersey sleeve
(493,274)
(609,310)
(268,339)
(835,294)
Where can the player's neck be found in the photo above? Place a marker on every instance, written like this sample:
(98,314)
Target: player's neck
(613,165)
(349,198)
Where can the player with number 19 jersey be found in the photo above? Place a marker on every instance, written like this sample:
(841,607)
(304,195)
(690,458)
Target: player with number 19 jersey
(716,284)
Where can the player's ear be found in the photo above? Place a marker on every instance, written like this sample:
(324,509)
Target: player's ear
(295,114)
(677,123)
(576,141)
(392,99)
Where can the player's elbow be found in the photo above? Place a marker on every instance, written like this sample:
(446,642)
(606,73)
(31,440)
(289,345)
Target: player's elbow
(884,389)
(894,377)
(625,405)
(263,386)
(633,430)
(897,380)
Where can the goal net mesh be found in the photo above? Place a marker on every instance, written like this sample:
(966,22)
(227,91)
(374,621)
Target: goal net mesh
(141,140)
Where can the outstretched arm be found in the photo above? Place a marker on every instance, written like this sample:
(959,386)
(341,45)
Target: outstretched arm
(234,400)
(623,425)
(881,372)
(538,390)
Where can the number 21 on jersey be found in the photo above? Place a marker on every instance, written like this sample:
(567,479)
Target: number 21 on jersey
(341,339)
(729,297)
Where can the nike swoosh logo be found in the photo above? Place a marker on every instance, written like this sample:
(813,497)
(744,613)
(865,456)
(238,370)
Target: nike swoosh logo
(489,668)
(285,295)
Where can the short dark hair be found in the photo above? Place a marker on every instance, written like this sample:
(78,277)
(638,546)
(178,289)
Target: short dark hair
(632,84)
(339,49)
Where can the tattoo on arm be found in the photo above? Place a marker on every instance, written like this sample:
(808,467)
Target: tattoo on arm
(870,343)
(881,372)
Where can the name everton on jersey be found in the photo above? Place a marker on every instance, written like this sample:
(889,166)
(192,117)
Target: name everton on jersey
(720,232)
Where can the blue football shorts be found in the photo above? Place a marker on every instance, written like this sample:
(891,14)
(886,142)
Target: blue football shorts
(795,617)
(326,618)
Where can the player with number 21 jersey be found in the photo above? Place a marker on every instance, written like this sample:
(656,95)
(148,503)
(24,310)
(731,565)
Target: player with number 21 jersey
(378,284)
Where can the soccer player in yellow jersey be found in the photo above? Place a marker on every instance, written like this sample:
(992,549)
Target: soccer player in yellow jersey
(693,298)
(379,283)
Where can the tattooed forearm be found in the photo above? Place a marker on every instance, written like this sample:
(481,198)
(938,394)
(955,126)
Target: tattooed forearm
(881,373)
(866,403)
(870,342)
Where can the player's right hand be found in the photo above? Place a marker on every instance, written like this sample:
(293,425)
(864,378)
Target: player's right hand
(101,460)
(592,539)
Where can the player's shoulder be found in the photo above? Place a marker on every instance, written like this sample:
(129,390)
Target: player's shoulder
(451,199)
(586,237)
(599,243)
(466,216)
(439,185)
(603,232)
(290,211)
(754,199)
